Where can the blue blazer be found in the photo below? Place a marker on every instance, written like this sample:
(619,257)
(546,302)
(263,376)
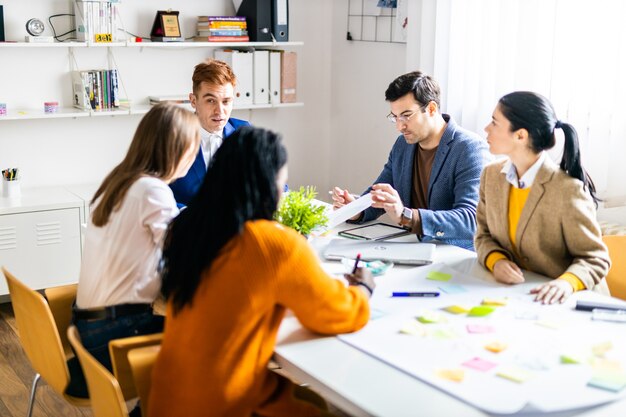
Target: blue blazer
(185,188)
(452,189)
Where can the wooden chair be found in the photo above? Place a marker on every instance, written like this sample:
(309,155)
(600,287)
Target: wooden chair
(141,363)
(40,340)
(60,300)
(616,279)
(104,391)
(119,350)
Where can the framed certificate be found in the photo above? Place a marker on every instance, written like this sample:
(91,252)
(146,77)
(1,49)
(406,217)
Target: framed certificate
(166,25)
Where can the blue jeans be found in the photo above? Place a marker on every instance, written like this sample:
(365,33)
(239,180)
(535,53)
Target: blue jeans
(96,334)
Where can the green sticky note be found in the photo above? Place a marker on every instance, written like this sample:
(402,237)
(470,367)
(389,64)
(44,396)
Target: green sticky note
(481,311)
(570,359)
(438,276)
(514,374)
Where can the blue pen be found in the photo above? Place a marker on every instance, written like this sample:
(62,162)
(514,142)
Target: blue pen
(415,294)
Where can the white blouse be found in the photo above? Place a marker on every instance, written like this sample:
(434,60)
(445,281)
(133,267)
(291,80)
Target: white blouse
(120,260)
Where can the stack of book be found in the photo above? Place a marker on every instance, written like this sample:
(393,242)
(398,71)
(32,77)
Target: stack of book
(96,20)
(95,89)
(222,29)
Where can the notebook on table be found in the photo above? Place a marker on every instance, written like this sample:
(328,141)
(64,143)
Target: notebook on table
(401,253)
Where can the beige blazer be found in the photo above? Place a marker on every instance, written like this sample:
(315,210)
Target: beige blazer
(557,231)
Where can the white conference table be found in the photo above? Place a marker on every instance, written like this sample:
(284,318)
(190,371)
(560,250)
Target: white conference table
(362,385)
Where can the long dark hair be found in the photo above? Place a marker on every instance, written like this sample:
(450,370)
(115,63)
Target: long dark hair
(240,185)
(163,136)
(533,112)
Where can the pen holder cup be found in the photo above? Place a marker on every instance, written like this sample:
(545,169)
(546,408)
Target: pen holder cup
(11,189)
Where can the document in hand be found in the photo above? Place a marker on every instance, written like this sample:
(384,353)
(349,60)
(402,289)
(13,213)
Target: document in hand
(397,252)
(339,216)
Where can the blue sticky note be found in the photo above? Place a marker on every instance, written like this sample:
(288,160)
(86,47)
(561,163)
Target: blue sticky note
(376,314)
(452,288)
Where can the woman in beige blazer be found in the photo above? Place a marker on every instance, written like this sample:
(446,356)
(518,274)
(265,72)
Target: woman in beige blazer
(533,214)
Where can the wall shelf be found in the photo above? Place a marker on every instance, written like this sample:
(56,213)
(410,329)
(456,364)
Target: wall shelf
(163,45)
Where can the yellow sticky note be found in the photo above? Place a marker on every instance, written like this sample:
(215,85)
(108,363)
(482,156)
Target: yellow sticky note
(429,317)
(496,347)
(438,276)
(601,348)
(455,309)
(413,328)
(548,324)
(603,364)
(514,374)
(455,375)
(494,301)
(480,311)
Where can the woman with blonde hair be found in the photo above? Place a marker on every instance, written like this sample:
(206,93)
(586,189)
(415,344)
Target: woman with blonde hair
(130,213)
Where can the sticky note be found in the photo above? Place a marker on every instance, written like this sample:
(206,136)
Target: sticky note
(455,375)
(429,317)
(481,311)
(479,364)
(452,288)
(514,374)
(443,334)
(609,381)
(438,276)
(601,348)
(494,302)
(603,364)
(496,347)
(548,324)
(413,328)
(376,314)
(455,309)
(571,359)
(479,328)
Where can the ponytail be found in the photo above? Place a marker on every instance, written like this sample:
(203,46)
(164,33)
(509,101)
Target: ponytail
(570,163)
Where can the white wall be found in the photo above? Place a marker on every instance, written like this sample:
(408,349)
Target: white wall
(361,137)
(74,151)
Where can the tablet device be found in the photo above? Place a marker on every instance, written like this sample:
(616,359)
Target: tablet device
(376,231)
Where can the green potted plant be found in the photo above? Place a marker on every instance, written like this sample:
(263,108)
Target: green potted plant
(298,211)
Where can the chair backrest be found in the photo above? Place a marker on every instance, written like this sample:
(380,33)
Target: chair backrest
(616,279)
(104,391)
(60,300)
(38,333)
(118,349)
(141,363)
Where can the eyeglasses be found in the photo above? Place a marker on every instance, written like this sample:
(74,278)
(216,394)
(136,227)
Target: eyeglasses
(403,118)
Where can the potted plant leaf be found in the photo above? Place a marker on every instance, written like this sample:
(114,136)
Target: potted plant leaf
(298,211)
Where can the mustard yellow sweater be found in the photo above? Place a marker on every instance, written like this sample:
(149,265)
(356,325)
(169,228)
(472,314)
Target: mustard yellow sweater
(517,200)
(215,352)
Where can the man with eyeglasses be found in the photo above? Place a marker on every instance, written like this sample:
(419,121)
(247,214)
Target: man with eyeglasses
(430,181)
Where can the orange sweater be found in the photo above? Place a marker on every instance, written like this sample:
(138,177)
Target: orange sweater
(215,352)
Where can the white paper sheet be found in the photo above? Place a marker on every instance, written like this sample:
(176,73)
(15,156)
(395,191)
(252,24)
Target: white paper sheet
(339,216)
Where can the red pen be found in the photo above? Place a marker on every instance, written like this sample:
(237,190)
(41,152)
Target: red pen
(356,263)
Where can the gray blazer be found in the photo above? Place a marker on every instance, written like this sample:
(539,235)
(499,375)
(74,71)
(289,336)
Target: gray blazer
(557,231)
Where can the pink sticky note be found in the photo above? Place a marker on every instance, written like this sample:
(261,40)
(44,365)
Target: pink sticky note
(479,328)
(479,364)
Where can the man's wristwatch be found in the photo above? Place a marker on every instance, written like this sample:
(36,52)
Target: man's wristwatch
(407,217)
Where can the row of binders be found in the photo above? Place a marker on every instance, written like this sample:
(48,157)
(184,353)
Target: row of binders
(263,77)
(95,89)
(96,20)
(222,29)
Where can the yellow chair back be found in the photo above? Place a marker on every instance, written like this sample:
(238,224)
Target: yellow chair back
(38,333)
(119,349)
(141,362)
(104,391)
(60,300)
(616,279)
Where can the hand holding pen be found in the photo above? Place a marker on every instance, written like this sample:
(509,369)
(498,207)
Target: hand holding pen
(361,277)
